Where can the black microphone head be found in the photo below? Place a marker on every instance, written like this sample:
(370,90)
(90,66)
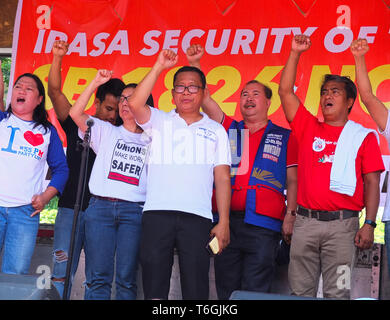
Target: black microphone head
(89,122)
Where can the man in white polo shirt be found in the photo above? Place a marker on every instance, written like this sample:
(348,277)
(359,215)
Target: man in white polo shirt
(189,153)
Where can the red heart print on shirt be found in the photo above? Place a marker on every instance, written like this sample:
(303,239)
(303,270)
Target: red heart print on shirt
(33,139)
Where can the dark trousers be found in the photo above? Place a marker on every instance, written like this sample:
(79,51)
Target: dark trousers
(162,232)
(248,263)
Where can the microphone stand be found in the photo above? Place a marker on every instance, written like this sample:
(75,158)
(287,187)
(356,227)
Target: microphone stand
(79,200)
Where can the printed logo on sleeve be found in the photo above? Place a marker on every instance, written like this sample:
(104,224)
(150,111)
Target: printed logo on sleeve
(128,161)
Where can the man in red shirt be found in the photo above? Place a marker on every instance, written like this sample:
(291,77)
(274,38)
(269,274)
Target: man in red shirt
(264,159)
(326,229)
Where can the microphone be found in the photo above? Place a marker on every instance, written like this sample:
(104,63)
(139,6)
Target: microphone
(90,122)
(87,133)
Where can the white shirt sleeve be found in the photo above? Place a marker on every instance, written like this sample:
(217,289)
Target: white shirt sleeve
(149,125)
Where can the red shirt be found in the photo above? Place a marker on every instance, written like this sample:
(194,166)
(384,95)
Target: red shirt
(317,144)
(271,201)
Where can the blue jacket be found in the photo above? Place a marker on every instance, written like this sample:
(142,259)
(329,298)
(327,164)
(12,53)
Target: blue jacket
(268,171)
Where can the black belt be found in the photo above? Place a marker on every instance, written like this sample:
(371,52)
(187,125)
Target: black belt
(115,199)
(327,215)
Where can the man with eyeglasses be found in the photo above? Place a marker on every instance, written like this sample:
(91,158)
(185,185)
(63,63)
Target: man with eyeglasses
(264,158)
(189,153)
(339,166)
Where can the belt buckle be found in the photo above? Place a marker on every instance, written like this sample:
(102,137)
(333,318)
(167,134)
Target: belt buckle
(312,214)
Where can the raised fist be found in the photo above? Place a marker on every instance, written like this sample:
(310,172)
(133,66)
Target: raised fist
(300,43)
(60,48)
(359,47)
(167,58)
(102,76)
(194,53)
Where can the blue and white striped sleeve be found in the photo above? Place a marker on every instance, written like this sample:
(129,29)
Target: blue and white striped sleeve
(56,160)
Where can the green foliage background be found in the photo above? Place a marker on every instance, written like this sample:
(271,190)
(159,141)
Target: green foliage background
(48,215)
(6,69)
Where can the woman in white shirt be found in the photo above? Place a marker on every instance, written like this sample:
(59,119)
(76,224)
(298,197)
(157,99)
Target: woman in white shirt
(27,142)
(118,187)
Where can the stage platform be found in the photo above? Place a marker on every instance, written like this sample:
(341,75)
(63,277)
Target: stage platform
(369,278)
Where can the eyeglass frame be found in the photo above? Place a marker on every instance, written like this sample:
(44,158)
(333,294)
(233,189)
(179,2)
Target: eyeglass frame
(123,98)
(187,88)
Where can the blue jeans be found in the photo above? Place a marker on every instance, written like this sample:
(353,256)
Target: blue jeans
(112,233)
(62,235)
(18,233)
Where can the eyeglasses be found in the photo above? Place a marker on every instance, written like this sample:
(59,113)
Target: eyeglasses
(191,89)
(123,98)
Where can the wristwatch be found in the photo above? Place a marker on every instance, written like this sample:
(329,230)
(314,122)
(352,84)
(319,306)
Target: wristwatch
(293,212)
(371,223)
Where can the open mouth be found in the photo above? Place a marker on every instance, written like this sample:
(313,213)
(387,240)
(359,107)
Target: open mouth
(20,100)
(328,104)
(249,106)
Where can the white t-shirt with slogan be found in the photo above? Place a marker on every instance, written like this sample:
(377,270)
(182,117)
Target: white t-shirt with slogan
(24,151)
(119,170)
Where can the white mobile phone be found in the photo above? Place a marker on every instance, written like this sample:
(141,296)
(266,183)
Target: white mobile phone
(213,245)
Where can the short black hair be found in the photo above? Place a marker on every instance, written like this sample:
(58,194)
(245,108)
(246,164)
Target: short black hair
(267,90)
(191,69)
(349,86)
(149,102)
(113,86)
